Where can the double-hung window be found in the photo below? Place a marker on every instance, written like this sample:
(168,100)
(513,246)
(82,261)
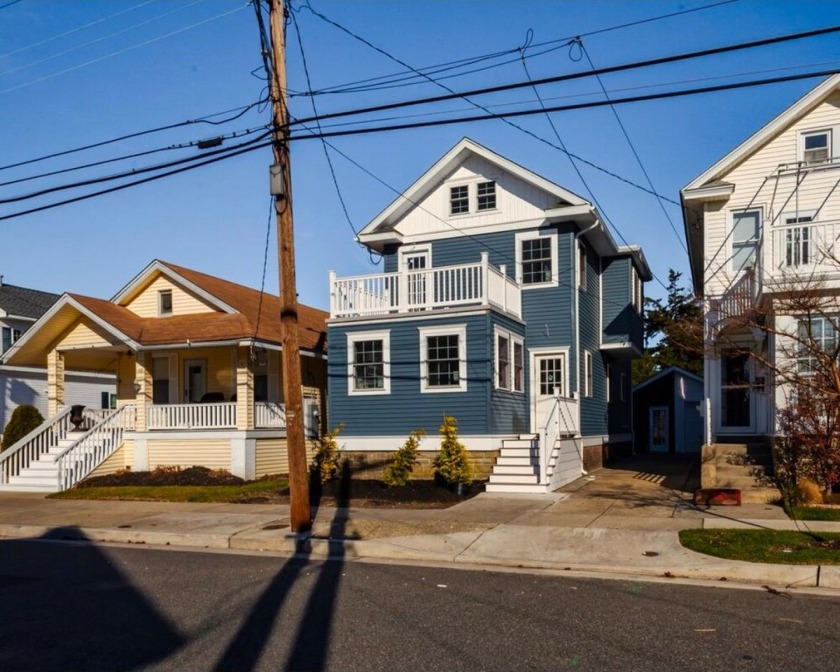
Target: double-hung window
(746,226)
(816,146)
(816,336)
(486,196)
(536,259)
(369,365)
(518,366)
(510,361)
(443,359)
(459,200)
(503,361)
(581,266)
(587,373)
(797,241)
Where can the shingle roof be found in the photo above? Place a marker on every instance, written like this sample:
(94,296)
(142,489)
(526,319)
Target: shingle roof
(251,320)
(23,302)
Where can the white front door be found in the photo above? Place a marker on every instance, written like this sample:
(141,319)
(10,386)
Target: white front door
(195,380)
(659,429)
(548,379)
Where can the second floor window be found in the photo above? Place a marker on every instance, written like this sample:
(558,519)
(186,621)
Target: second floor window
(816,147)
(536,261)
(745,232)
(459,200)
(797,241)
(9,337)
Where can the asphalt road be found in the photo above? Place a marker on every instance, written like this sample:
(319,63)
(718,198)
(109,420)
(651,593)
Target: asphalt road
(80,607)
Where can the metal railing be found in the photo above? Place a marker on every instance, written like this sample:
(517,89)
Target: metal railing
(91,448)
(34,445)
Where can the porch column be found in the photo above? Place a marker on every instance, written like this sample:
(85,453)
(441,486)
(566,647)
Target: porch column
(55,381)
(244,390)
(143,395)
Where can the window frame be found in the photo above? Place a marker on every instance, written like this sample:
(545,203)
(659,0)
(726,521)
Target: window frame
(512,382)
(755,243)
(518,371)
(465,199)
(424,333)
(355,337)
(161,311)
(608,381)
(526,236)
(479,196)
(800,248)
(803,138)
(806,362)
(588,374)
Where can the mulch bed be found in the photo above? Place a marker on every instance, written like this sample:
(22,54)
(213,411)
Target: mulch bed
(163,476)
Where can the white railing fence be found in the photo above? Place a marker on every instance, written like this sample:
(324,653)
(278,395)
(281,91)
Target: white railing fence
(805,247)
(562,421)
(269,414)
(192,416)
(34,445)
(91,448)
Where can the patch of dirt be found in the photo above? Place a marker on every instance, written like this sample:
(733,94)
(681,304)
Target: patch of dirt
(164,476)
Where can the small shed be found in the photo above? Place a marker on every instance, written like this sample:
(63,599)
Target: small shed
(667,413)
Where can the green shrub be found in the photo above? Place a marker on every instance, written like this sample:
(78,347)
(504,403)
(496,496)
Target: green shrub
(325,463)
(24,419)
(452,463)
(399,471)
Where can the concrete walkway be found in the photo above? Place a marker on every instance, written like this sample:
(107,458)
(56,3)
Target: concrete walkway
(621,521)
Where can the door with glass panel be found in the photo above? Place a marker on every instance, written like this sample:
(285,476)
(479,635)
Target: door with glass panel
(548,379)
(416,264)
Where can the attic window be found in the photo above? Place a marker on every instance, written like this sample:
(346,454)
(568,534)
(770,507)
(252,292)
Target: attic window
(165,302)
(486,196)
(815,146)
(459,200)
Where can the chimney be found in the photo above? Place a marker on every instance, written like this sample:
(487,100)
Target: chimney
(1,280)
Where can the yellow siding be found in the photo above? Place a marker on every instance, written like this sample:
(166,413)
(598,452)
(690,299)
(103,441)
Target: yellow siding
(748,176)
(145,304)
(128,453)
(221,372)
(211,453)
(126,373)
(272,457)
(112,464)
(83,332)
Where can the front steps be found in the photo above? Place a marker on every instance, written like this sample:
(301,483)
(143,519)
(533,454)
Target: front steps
(747,467)
(517,468)
(42,474)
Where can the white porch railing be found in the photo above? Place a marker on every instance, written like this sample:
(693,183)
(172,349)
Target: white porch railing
(803,248)
(91,448)
(34,445)
(191,416)
(269,414)
(737,302)
(562,421)
(425,289)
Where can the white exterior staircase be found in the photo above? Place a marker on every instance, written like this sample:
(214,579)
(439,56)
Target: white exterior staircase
(517,468)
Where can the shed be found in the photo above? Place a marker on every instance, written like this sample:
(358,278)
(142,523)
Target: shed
(667,413)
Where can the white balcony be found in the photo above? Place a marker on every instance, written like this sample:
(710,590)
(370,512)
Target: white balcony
(805,250)
(437,288)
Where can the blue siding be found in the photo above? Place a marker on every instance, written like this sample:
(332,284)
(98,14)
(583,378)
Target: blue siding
(621,321)
(593,410)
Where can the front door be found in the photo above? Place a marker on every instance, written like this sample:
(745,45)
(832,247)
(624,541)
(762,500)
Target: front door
(195,380)
(659,429)
(737,412)
(548,379)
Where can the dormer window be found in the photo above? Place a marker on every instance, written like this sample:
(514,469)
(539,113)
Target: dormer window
(816,146)
(486,196)
(165,302)
(459,200)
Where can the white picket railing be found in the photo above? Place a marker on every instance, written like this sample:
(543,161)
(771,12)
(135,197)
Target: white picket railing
(562,420)
(425,289)
(91,448)
(269,414)
(191,416)
(34,445)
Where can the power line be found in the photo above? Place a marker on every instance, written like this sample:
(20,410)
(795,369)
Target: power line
(9,4)
(566,77)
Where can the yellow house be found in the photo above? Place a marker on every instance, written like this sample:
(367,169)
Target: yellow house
(199,380)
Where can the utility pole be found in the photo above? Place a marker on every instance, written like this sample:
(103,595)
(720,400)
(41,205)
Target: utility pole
(301,514)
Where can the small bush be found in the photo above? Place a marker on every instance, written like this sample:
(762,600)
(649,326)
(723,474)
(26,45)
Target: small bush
(809,492)
(452,463)
(399,471)
(24,419)
(325,463)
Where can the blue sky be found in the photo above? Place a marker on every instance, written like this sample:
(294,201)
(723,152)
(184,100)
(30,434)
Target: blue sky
(74,72)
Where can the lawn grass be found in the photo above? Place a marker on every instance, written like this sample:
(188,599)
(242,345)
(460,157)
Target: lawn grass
(174,493)
(814,513)
(776,546)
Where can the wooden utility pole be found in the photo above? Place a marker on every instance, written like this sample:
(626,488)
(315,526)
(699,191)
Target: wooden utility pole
(301,515)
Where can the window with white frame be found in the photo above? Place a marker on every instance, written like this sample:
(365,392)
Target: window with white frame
(369,362)
(746,226)
(165,302)
(815,336)
(587,373)
(459,199)
(816,146)
(636,288)
(608,380)
(486,196)
(443,359)
(510,361)
(536,259)
(581,266)
(797,240)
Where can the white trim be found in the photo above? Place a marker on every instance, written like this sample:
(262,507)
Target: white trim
(413,249)
(523,224)
(383,335)
(459,330)
(414,317)
(519,238)
(718,192)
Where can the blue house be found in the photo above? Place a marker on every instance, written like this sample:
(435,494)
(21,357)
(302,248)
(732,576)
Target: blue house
(504,302)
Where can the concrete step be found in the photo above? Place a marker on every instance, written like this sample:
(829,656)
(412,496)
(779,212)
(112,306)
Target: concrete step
(742,483)
(506,461)
(516,488)
(500,470)
(523,479)
(744,449)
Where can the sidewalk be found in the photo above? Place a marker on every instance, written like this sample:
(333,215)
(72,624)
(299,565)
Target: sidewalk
(623,533)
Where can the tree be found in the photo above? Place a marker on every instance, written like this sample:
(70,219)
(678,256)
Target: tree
(673,332)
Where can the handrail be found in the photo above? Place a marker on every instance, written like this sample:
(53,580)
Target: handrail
(548,436)
(90,449)
(35,444)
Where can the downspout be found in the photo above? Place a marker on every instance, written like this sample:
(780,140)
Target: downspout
(576,289)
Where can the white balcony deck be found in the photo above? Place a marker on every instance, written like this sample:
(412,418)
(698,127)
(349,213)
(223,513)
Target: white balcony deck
(406,291)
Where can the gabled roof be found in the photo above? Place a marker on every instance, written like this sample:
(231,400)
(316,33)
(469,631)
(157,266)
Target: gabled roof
(456,156)
(22,302)
(667,372)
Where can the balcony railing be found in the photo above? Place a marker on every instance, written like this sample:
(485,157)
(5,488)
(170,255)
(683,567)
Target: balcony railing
(425,289)
(192,416)
(803,248)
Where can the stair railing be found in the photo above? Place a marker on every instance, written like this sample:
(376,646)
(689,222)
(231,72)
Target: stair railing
(34,445)
(549,435)
(92,448)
